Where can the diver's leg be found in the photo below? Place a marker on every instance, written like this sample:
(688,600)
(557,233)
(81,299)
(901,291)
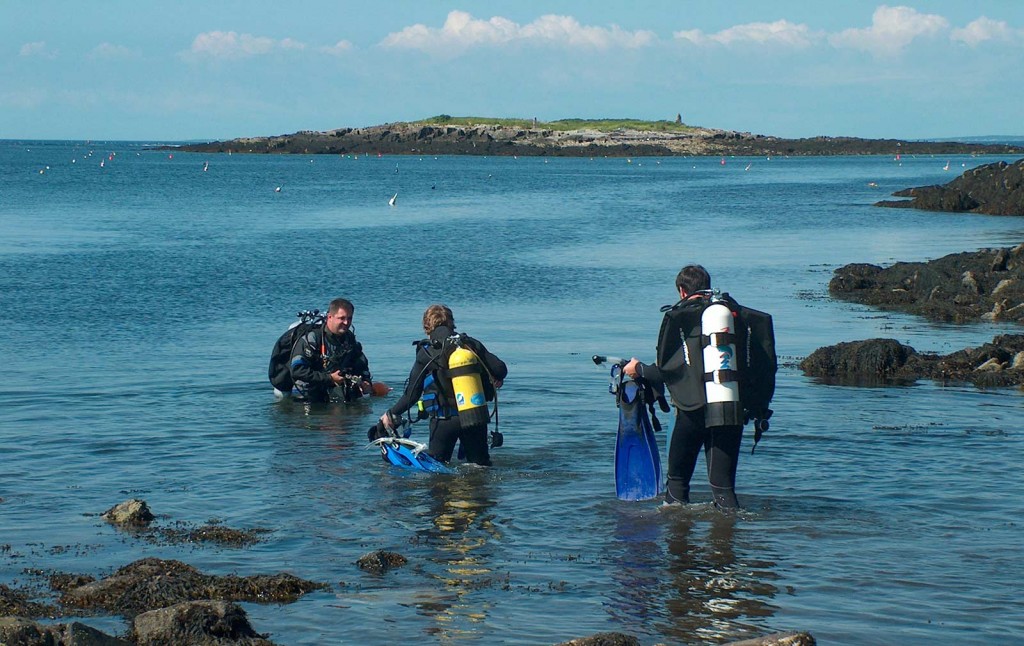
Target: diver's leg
(723,452)
(444,433)
(474,441)
(687,438)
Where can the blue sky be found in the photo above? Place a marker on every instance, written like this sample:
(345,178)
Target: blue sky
(185,69)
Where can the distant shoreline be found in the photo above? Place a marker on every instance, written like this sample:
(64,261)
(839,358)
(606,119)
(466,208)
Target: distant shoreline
(583,139)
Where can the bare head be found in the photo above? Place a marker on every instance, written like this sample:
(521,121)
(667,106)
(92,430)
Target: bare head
(436,316)
(692,279)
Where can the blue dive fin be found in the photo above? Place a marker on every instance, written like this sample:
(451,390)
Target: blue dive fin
(637,460)
(408,454)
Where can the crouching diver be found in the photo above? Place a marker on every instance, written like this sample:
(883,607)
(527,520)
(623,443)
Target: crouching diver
(717,360)
(450,383)
(328,361)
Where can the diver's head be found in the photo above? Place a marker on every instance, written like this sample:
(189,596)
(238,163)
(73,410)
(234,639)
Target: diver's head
(437,316)
(692,279)
(339,315)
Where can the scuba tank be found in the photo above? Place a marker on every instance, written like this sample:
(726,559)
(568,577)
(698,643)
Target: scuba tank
(721,376)
(464,370)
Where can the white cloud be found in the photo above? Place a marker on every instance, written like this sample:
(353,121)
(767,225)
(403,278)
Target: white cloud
(230,45)
(110,51)
(462,31)
(984,29)
(781,32)
(338,48)
(38,49)
(891,30)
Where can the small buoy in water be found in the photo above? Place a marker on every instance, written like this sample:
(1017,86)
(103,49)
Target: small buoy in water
(170,156)
(277,190)
(394,198)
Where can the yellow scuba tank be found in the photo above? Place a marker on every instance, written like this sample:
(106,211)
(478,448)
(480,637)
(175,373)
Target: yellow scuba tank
(464,369)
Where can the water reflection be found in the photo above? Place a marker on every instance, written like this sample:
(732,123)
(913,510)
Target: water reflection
(461,528)
(718,586)
(638,567)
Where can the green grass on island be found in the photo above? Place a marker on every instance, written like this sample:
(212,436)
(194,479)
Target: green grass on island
(601,125)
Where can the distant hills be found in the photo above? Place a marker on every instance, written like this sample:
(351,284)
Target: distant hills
(447,135)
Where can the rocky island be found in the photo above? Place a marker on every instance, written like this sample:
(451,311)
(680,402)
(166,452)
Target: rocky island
(992,189)
(446,135)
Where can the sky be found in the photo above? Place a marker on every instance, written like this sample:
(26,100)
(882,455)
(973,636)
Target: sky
(208,69)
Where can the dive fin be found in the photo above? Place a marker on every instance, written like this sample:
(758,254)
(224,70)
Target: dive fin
(407,454)
(637,460)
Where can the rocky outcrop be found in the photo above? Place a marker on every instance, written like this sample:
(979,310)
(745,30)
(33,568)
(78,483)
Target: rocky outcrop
(985,285)
(886,361)
(17,631)
(993,189)
(439,139)
(198,623)
(152,583)
(132,513)
(380,561)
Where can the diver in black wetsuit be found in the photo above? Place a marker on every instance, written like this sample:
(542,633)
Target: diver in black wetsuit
(328,361)
(430,385)
(682,370)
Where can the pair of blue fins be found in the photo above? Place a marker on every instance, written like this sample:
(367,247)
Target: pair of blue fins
(404,453)
(637,459)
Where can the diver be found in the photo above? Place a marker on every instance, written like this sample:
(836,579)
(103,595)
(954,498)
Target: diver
(452,379)
(720,373)
(327,362)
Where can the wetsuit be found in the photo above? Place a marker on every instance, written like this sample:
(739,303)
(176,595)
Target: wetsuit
(445,427)
(319,353)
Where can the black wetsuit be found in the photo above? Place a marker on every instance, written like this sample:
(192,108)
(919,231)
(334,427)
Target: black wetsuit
(445,427)
(319,353)
(721,445)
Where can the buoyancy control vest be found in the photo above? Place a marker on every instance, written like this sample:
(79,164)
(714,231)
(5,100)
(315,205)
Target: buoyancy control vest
(716,354)
(281,356)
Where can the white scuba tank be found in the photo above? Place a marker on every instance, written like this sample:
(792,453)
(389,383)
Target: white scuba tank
(721,384)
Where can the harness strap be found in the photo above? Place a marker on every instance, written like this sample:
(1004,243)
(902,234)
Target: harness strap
(717,338)
(721,376)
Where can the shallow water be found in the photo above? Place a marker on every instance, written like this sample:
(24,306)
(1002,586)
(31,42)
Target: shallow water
(140,301)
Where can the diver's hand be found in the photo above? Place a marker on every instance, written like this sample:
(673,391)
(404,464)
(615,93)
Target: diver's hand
(630,367)
(337,377)
(497,383)
(386,420)
(366,388)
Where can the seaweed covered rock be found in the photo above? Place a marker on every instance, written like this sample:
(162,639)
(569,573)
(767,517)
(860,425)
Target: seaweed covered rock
(870,361)
(155,583)
(985,285)
(198,623)
(886,361)
(994,189)
(380,561)
(604,639)
(17,603)
(16,631)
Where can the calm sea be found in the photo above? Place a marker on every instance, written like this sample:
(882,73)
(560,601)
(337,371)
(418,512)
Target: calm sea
(140,298)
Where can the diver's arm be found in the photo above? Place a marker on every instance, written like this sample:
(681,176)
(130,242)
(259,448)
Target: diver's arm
(414,386)
(304,362)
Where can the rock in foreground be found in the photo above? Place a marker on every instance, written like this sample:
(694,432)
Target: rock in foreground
(993,189)
(198,623)
(15,631)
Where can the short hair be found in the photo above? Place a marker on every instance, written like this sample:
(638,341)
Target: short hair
(341,303)
(437,315)
(693,278)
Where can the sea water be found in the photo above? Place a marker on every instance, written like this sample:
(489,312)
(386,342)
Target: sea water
(140,298)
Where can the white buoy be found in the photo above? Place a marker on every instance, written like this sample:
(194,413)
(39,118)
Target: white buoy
(394,198)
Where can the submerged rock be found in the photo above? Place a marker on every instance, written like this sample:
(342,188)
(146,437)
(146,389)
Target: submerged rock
(17,631)
(380,561)
(994,189)
(886,361)
(198,623)
(970,286)
(155,583)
